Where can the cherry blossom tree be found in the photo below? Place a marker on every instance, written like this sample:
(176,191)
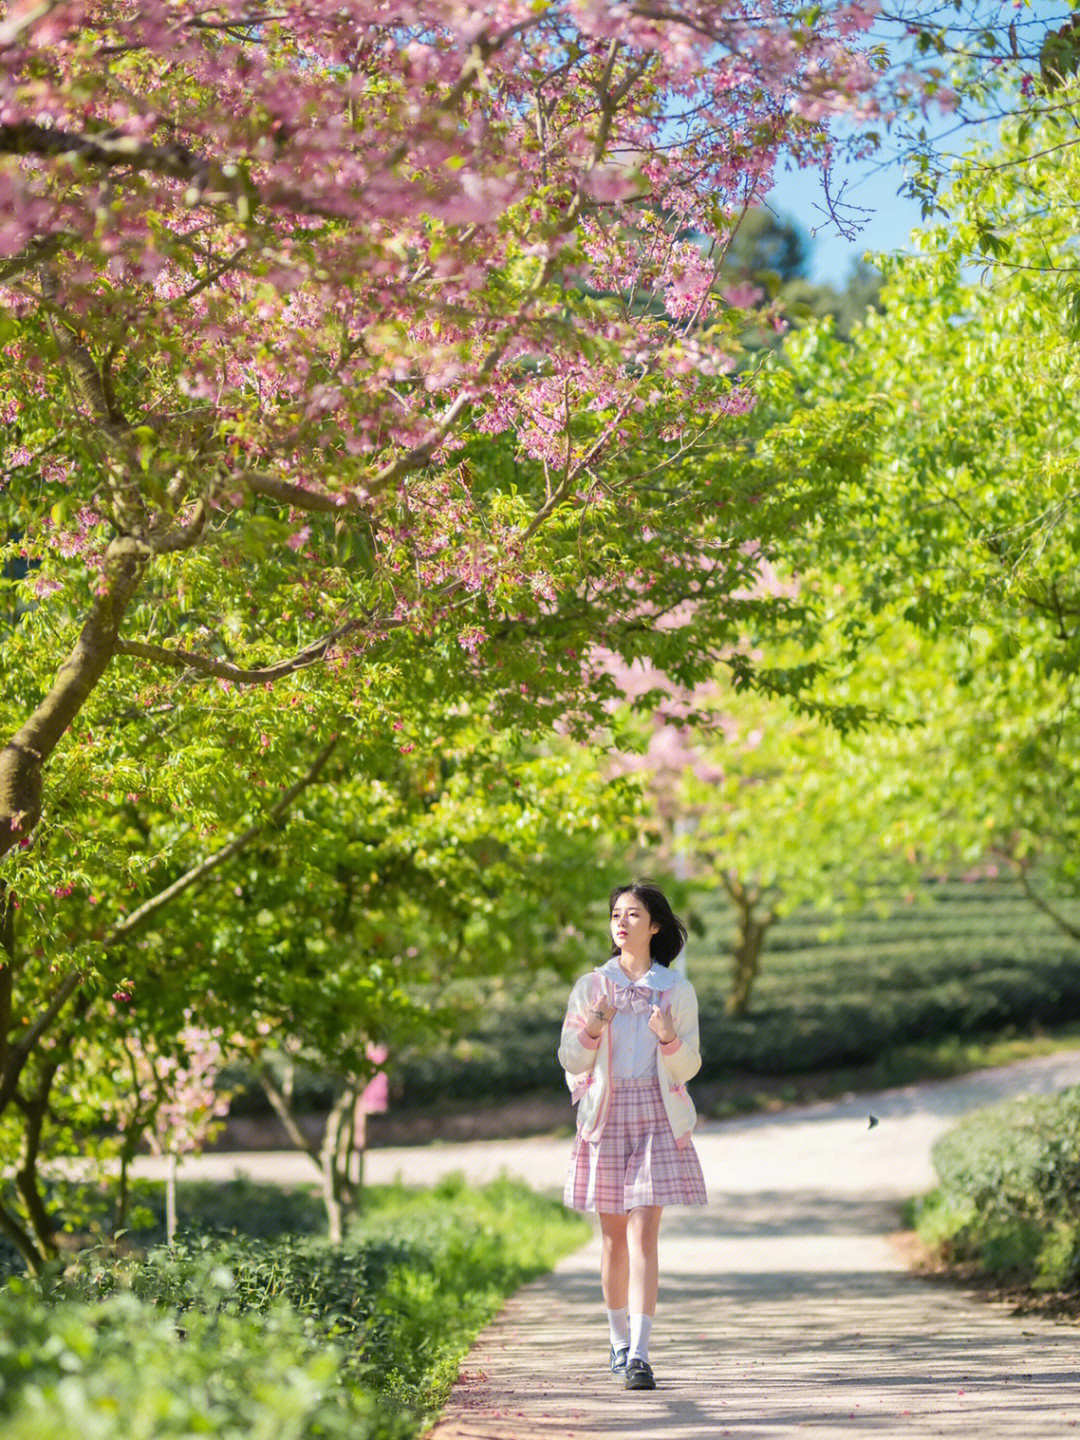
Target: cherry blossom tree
(288,254)
(364,369)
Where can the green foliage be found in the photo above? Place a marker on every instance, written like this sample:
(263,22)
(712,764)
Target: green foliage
(236,1207)
(1018,1160)
(950,425)
(275,1337)
(342,924)
(1059,55)
(784,811)
(1009,1197)
(119,1367)
(223,1209)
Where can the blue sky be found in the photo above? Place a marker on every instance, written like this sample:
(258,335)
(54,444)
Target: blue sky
(872,185)
(798,196)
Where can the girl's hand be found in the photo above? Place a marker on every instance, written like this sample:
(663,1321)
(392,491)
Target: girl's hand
(596,1017)
(661,1025)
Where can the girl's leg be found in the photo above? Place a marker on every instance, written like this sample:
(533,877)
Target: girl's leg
(614,1261)
(614,1277)
(642,1241)
(642,1235)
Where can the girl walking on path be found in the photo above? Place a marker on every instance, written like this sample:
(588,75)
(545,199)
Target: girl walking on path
(629,1046)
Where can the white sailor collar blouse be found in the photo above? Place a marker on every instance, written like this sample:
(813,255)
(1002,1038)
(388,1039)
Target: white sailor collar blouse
(633,1053)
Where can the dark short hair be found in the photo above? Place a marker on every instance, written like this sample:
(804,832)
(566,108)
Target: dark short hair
(671,937)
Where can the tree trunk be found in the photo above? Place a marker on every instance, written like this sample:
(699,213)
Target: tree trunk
(131,1132)
(751,929)
(129,1147)
(27,1180)
(34,1258)
(360,1151)
(24,755)
(1065,925)
(333,1156)
(333,1190)
(344,1150)
(170,1196)
(7,928)
(7,969)
(322,1156)
(123,1193)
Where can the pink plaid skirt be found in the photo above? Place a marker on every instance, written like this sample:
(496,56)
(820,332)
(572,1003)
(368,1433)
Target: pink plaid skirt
(635,1161)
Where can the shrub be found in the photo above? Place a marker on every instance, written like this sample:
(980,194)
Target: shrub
(243,1335)
(1017,1161)
(124,1367)
(1009,1194)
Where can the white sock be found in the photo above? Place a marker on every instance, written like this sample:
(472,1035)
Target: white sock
(640,1330)
(620,1335)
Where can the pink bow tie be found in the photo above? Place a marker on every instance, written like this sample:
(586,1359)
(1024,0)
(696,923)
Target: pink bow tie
(633,997)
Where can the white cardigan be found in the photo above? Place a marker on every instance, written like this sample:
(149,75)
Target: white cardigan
(587,1062)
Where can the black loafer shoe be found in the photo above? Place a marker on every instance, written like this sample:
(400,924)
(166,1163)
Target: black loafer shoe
(639,1376)
(618,1359)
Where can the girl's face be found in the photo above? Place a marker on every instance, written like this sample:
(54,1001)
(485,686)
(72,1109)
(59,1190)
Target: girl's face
(632,926)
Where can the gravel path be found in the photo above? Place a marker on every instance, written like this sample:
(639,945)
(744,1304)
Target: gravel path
(784,1307)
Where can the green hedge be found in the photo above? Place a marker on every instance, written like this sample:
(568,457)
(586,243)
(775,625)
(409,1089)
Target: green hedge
(119,1368)
(962,960)
(1009,1193)
(966,960)
(242,1336)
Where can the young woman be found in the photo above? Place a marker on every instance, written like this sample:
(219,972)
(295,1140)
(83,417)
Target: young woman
(629,1046)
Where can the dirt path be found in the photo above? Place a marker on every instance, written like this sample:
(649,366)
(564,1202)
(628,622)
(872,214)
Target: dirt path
(784,1307)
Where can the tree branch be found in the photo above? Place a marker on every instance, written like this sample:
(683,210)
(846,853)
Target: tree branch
(283,1111)
(1047,909)
(21,1052)
(419,455)
(139,916)
(183,537)
(225,670)
(22,1240)
(7,968)
(288,493)
(177,162)
(88,381)
(38,251)
(26,1177)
